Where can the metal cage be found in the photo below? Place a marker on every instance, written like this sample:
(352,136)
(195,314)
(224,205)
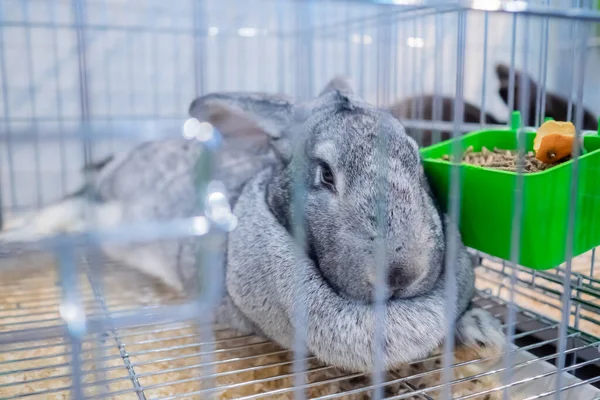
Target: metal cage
(83,79)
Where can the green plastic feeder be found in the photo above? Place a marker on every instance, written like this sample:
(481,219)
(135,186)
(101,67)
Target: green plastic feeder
(487,199)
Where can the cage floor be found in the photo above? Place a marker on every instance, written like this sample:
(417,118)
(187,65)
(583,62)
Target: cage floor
(183,361)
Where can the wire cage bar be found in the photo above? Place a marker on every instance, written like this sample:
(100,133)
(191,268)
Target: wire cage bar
(85,82)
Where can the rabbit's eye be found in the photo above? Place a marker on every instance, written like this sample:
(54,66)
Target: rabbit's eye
(327,177)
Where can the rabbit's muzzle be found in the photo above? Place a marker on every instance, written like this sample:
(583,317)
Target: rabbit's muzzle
(400,278)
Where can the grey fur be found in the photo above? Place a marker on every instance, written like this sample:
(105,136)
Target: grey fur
(270,141)
(342,227)
(267,277)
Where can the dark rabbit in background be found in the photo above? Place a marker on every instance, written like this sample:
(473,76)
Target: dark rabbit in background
(556,105)
(421,108)
(330,146)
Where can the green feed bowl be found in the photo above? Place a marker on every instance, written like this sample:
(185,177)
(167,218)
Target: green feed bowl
(487,200)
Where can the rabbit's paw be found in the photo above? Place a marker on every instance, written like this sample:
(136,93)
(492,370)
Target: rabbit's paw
(470,389)
(479,335)
(477,382)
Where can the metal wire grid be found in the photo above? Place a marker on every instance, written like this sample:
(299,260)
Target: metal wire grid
(585,288)
(164,360)
(582,310)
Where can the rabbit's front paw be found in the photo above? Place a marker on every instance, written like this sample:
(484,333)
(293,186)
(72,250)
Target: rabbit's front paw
(479,335)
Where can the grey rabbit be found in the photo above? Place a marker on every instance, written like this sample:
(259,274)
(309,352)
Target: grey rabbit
(330,145)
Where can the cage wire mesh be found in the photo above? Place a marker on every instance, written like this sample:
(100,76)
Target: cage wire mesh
(86,79)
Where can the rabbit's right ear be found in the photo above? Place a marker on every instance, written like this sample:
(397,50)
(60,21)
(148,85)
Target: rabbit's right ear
(340,83)
(255,117)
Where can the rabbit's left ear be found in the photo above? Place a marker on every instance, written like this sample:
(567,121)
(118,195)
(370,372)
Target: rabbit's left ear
(253,117)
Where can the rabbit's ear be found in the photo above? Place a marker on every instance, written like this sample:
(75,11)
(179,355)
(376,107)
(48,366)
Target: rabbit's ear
(339,83)
(503,74)
(251,116)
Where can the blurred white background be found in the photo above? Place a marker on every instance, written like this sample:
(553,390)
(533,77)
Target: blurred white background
(142,67)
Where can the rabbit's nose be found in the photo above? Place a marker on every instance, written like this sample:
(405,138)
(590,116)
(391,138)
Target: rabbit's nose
(400,277)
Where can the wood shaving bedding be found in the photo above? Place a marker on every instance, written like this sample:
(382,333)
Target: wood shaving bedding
(168,361)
